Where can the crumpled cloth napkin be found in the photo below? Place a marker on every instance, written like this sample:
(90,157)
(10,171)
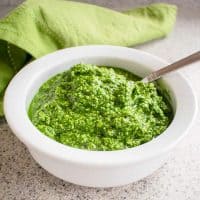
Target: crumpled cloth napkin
(38,27)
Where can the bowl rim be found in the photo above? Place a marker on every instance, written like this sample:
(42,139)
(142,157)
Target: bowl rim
(17,118)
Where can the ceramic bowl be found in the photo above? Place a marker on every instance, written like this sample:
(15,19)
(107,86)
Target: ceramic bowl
(97,168)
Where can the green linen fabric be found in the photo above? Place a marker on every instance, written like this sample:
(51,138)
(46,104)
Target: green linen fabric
(38,27)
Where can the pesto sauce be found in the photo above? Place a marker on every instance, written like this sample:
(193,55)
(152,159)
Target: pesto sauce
(99,108)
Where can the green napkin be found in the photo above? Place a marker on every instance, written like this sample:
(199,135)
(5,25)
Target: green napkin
(36,28)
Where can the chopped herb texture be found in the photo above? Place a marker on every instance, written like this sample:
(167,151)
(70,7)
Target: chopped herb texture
(99,108)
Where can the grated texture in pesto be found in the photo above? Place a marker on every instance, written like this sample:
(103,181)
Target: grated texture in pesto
(99,108)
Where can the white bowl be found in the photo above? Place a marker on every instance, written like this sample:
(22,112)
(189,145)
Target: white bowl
(97,168)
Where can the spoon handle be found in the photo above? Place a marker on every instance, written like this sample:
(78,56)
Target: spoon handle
(172,67)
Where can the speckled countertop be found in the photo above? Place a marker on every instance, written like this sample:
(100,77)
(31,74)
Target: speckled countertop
(179,178)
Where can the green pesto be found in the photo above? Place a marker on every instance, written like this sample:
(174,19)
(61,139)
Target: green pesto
(99,108)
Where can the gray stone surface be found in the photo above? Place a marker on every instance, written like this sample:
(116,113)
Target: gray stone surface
(10,2)
(179,178)
(4,10)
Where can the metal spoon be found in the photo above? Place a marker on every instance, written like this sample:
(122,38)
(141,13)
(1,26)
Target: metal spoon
(172,67)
